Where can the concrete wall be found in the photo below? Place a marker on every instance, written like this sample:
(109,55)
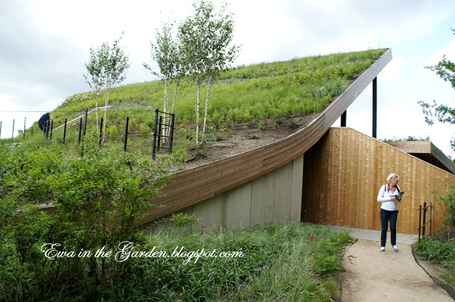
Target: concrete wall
(274,197)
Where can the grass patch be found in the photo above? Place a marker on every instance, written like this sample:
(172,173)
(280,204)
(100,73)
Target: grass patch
(286,262)
(245,94)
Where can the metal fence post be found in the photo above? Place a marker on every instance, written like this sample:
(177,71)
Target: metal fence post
(64,132)
(126,133)
(171,134)
(101,131)
(420,221)
(85,123)
(80,131)
(51,129)
(424,218)
(46,129)
(155,134)
(160,123)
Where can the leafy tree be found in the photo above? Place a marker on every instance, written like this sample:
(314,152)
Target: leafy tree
(95,69)
(444,114)
(113,73)
(206,37)
(166,52)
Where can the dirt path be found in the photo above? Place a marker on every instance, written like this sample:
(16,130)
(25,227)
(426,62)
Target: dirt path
(372,275)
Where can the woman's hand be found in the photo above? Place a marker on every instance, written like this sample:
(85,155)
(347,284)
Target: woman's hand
(393,198)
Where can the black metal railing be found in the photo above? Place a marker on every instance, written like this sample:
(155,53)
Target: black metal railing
(423,222)
(163,134)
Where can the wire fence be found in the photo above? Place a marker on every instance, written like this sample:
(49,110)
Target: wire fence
(145,130)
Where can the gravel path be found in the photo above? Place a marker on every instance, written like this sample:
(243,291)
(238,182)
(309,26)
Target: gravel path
(372,275)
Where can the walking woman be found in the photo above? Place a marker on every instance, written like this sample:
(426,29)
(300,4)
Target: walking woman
(389,195)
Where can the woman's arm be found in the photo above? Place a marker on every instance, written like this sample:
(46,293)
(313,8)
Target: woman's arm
(381,196)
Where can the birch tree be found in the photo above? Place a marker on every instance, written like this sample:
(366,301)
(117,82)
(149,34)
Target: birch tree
(205,38)
(95,69)
(116,63)
(168,57)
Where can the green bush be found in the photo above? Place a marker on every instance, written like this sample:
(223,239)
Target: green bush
(439,249)
(96,200)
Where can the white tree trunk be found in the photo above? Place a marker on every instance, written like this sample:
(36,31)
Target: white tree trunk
(166,94)
(197,110)
(206,107)
(106,103)
(165,130)
(175,95)
(96,107)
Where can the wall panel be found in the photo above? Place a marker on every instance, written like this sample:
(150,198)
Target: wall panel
(344,171)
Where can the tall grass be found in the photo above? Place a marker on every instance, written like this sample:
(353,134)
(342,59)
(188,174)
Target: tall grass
(280,263)
(242,94)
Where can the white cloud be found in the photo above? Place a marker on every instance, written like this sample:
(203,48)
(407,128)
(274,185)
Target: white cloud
(46,43)
(448,51)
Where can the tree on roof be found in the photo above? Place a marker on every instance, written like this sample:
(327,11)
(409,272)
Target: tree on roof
(95,69)
(206,44)
(166,52)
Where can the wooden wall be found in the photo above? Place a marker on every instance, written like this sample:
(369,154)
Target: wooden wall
(344,171)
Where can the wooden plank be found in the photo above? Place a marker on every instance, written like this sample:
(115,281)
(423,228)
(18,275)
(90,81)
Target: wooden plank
(366,162)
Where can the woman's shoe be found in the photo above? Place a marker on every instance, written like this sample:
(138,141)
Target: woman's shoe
(382,249)
(395,248)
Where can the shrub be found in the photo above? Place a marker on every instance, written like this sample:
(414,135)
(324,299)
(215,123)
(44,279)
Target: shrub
(438,249)
(96,201)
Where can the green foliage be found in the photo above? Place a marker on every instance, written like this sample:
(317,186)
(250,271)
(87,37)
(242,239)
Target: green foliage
(112,131)
(327,260)
(438,249)
(409,139)
(277,265)
(97,200)
(167,53)
(444,114)
(205,41)
(250,94)
(94,201)
(96,67)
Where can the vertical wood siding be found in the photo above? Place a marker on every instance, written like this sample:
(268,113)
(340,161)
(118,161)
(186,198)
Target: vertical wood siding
(344,171)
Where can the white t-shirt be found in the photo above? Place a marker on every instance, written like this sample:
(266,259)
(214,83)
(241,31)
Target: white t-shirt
(384,197)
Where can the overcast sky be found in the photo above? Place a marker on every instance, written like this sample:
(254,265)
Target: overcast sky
(45,44)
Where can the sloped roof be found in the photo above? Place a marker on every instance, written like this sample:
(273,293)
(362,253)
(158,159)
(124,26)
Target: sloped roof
(194,185)
(425,150)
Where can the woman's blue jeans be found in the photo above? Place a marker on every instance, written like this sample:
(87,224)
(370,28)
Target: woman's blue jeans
(387,216)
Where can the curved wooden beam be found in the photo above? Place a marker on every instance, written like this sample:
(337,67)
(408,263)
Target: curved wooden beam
(195,185)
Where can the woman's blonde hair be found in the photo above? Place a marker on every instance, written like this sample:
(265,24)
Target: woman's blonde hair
(392,176)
